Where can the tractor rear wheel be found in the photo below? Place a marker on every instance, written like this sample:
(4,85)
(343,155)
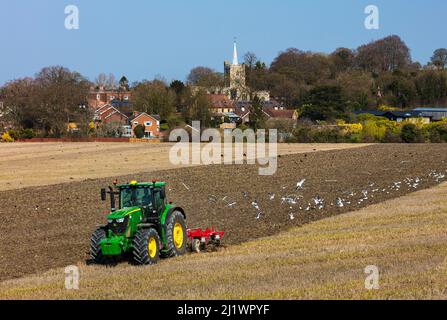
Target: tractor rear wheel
(175,230)
(95,246)
(146,247)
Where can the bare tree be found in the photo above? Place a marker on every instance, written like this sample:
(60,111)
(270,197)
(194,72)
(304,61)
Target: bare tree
(250,60)
(101,80)
(205,77)
(387,54)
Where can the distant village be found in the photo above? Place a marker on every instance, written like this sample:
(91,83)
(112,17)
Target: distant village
(231,105)
(342,104)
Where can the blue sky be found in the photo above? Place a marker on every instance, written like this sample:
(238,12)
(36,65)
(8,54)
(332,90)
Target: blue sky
(144,38)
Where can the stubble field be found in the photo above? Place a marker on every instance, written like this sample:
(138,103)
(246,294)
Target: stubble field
(49,226)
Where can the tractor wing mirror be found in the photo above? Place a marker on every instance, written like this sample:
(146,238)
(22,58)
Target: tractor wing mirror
(103,194)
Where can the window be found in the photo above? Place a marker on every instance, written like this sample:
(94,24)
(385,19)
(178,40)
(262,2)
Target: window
(98,97)
(135,197)
(126,98)
(148,123)
(136,123)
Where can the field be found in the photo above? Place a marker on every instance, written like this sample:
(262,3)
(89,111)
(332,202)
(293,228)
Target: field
(405,238)
(37,164)
(50,226)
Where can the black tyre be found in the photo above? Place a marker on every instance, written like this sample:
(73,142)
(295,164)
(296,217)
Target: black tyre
(175,230)
(95,246)
(146,247)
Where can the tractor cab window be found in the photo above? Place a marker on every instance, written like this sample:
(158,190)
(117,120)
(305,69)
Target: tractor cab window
(136,197)
(159,201)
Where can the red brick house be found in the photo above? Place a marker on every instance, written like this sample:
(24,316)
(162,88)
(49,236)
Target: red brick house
(151,124)
(99,97)
(108,114)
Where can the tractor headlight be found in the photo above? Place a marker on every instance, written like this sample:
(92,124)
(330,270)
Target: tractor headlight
(118,226)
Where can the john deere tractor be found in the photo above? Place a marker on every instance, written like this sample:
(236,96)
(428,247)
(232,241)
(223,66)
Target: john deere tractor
(143,225)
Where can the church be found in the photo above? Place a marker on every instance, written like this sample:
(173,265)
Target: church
(235,87)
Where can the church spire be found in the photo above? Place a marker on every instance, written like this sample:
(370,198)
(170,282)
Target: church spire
(235,59)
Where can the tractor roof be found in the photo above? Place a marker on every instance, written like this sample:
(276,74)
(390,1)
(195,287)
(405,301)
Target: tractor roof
(156,184)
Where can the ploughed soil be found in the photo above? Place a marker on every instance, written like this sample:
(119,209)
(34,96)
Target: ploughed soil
(50,226)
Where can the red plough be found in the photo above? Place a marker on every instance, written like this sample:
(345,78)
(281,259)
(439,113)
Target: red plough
(200,239)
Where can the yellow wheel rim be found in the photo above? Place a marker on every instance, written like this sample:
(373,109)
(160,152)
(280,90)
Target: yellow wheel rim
(178,235)
(152,247)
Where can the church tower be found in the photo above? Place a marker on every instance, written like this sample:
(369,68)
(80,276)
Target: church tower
(235,77)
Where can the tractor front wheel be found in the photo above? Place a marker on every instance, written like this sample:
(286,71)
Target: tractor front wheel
(95,246)
(175,230)
(146,247)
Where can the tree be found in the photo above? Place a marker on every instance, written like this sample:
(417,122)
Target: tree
(101,80)
(387,54)
(324,103)
(439,58)
(124,84)
(257,117)
(139,131)
(398,88)
(49,101)
(410,133)
(302,66)
(357,88)
(250,60)
(198,108)
(343,59)
(431,87)
(111,82)
(106,81)
(205,77)
(154,97)
(178,86)
(59,97)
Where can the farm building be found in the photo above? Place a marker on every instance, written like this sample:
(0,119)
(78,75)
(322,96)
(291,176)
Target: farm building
(399,116)
(435,114)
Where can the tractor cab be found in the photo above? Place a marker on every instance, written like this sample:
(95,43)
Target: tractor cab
(150,197)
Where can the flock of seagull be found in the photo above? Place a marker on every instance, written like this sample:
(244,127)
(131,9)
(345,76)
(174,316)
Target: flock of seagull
(296,203)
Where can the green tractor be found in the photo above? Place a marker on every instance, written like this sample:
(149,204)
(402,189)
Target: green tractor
(144,226)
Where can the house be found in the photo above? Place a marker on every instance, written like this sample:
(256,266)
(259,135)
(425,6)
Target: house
(221,104)
(243,113)
(108,114)
(436,114)
(151,124)
(284,120)
(244,108)
(270,104)
(285,114)
(98,97)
